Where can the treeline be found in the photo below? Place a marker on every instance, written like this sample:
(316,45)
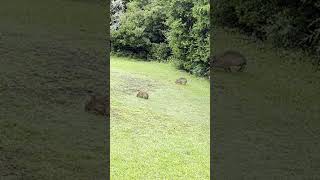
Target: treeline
(162,30)
(285,23)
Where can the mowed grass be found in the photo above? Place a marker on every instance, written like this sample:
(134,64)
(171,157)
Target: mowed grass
(51,53)
(166,136)
(267,118)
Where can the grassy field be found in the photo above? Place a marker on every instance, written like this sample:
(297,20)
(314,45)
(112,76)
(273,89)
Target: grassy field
(267,118)
(51,53)
(164,137)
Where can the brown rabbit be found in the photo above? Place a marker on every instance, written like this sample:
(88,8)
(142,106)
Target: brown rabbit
(142,94)
(97,104)
(182,81)
(229,59)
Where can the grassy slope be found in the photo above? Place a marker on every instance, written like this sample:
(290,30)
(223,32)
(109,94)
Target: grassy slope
(47,64)
(164,137)
(267,118)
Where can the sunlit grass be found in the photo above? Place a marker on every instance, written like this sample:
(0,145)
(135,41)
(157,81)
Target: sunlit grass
(164,137)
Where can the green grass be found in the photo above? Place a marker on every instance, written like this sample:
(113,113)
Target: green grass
(164,137)
(266,118)
(51,53)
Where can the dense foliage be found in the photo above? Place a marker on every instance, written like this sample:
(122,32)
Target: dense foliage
(175,30)
(117,8)
(294,23)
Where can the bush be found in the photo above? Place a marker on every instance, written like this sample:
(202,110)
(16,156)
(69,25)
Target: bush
(284,23)
(188,36)
(160,52)
(117,8)
(130,37)
(161,30)
(139,28)
(283,29)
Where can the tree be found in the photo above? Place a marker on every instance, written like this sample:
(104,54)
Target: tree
(160,30)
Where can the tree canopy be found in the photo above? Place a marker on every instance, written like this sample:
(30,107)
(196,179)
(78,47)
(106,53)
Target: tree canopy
(176,30)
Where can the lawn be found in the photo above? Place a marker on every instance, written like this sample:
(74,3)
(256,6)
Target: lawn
(266,118)
(51,53)
(166,136)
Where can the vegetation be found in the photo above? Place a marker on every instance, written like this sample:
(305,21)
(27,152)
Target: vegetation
(176,30)
(166,136)
(50,57)
(266,119)
(289,24)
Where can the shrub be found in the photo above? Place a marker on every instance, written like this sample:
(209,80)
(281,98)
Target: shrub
(160,30)
(130,37)
(160,52)
(285,23)
(188,36)
(140,27)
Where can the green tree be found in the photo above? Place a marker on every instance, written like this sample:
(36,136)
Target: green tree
(188,36)
(160,30)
